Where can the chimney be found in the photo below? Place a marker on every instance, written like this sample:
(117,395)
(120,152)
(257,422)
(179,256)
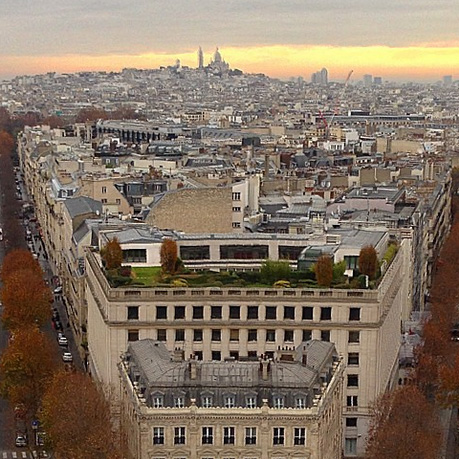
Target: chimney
(265,370)
(178,355)
(266,165)
(193,370)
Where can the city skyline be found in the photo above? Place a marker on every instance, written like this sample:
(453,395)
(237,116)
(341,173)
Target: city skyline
(409,41)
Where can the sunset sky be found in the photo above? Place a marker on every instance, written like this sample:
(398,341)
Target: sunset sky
(409,40)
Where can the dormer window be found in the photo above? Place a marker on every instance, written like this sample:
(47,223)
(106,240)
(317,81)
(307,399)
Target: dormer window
(278,401)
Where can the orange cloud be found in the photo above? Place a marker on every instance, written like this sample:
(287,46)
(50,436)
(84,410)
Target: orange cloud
(424,62)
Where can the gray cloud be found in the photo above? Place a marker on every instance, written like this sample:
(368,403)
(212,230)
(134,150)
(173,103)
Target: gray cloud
(108,26)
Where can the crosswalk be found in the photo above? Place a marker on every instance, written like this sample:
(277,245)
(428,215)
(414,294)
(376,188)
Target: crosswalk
(19,455)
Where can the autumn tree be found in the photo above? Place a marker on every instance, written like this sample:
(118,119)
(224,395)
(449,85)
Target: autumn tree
(76,417)
(112,254)
(368,261)
(26,300)
(404,425)
(324,271)
(91,114)
(18,260)
(26,366)
(168,256)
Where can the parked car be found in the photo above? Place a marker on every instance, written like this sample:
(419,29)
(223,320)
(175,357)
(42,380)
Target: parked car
(21,440)
(57,325)
(58,290)
(67,357)
(56,315)
(62,340)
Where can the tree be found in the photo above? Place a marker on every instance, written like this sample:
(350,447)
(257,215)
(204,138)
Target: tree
(404,425)
(26,366)
(26,300)
(6,143)
(76,417)
(91,114)
(18,260)
(112,254)
(273,271)
(324,271)
(368,261)
(169,255)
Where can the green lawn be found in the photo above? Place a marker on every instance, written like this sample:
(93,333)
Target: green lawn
(149,276)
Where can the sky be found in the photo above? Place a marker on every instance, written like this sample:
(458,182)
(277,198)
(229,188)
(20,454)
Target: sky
(396,39)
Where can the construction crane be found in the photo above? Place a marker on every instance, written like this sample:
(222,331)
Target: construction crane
(341,94)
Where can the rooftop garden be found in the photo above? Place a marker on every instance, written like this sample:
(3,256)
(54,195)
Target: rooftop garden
(278,274)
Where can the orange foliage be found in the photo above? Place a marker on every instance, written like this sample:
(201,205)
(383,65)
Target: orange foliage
(25,367)
(368,261)
(17,260)
(404,426)
(26,300)
(324,271)
(76,416)
(168,256)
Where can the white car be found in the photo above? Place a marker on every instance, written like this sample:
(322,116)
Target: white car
(62,340)
(67,357)
(58,290)
(21,440)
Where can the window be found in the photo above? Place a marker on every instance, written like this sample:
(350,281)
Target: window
(352,261)
(236,196)
(207,435)
(206,401)
(198,312)
(300,402)
(278,436)
(351,422)
(215,312)
(179,435)
(229,401)
(235,224)
(325,313)
(118,201)
(216,335)
(271,336)
(354,337)
(352,380)
(236,209)
(271,313)
(278,401)
(234,355)
(252,312)
(158,435)
(234,334)
(135,256)
(325,335)
(198,355)
(228,435)
(308,312)
(216,355)
(179,402)
(250,435)
(103,201)
(161,334)
(353,358)
(133,313)
(288,336)
(197,335)
(299,436)
(251,401)
(352,400)
(133,335)
(104,189)
(161,312)
(307,335)
(252,335)
(354,314)
(180,335)
(234,312)
(179,312)
(350,446)
(158,401)
(289,312)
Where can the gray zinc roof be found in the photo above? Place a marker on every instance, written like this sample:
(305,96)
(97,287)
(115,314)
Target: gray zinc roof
(83,205)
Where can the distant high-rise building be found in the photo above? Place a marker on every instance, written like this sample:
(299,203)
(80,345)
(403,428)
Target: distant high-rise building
(200,58)
(320,77)
(377,81)
(448,80)
(367,80)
